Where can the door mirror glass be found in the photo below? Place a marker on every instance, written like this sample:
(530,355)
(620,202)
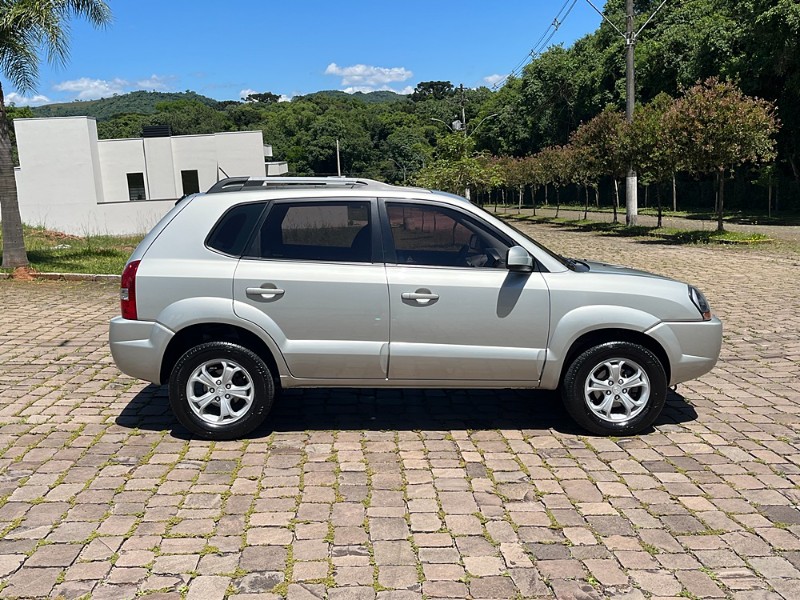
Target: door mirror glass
(519,260)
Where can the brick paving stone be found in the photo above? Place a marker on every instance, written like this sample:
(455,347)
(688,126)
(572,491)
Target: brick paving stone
(305,591)
(398,577)
(31,582)
(258,583)
(700,584)
(55,555)
(208,587)
(444,589)
(397,553)
(492,587)
(351,593)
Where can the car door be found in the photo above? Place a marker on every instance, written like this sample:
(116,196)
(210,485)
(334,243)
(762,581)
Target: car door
(310,276)
(457,312)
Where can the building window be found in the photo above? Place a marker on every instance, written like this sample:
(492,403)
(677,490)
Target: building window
(191,182)
(136,186)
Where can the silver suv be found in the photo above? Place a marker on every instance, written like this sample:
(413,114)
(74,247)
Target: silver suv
(263,284)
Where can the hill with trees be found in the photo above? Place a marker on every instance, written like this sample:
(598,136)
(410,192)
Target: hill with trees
(140,102)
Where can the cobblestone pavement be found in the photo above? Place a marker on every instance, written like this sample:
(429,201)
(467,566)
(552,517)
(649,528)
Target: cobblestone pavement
(358,494)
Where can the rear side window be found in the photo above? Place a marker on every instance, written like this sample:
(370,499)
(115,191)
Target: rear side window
(330,231)
(232,231)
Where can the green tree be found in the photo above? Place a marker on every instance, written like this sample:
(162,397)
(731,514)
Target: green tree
(437,90)
(26,27)
(123,126)
(262,98)
(652,146)
(717,127)
(190,117)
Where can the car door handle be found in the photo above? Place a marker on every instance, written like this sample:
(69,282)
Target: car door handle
(422,298)
(265,292)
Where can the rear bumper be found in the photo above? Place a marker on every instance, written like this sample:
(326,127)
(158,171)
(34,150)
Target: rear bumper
(138,347)
(693,348)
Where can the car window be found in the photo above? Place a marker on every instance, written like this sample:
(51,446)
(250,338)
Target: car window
(438,236)
(233,229)
(330,231)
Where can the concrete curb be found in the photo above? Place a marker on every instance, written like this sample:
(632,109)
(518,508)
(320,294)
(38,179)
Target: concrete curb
(70,277)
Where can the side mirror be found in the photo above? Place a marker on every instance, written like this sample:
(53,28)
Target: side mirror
(518,260)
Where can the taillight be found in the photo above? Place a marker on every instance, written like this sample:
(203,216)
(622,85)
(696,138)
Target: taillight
(127,291)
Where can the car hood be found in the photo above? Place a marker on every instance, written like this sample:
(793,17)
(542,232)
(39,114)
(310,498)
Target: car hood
(601,267)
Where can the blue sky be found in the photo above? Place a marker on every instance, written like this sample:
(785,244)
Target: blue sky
(224,49)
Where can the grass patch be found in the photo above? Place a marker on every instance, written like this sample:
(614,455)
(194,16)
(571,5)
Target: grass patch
(666,235)
(54,252)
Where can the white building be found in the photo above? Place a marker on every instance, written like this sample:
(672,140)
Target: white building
(70,181)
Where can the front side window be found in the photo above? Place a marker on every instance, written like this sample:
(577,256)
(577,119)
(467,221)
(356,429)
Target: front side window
(329,231)
(438,236)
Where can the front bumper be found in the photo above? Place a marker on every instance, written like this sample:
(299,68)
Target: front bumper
(138,347)
(692,347)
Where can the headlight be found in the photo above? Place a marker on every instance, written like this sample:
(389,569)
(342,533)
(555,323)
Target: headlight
(700,302)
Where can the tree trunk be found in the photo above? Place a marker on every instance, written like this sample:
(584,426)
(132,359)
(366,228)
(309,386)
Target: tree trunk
(721,201)
(586,205)
(521,195)
(558,200)
(658,195)
(674,194)
(769,195)
(616,199)
(533,198)
(13,241)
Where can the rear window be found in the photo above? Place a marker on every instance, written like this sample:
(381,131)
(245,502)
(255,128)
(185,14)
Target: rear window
(233,229)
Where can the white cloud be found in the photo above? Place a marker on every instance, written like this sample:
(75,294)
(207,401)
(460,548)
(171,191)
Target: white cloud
(20,100)
(90,89)
(155,83)
(246,92)
(494,79)
(87,88)
(365,78)
(285,98)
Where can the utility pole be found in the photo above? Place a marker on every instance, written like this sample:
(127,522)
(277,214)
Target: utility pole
(630,35)
(631,181)
(464,127)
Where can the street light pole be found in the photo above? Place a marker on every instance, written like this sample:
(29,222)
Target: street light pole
(631,181)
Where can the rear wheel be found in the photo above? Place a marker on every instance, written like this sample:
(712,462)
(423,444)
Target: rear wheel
(616,388)
(220,390)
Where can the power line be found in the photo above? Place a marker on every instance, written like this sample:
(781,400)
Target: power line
(542,43)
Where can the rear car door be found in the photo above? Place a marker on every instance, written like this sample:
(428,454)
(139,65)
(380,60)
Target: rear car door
(310,275)
(457,312)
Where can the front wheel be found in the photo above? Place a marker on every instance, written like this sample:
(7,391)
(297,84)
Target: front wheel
(220,390)
(616,388)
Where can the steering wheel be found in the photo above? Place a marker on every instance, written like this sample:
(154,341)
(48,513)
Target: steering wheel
(461,257)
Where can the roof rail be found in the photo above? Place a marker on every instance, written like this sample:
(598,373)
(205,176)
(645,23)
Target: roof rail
(237,184)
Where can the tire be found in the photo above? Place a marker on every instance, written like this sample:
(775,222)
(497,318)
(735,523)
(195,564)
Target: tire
(601,404)
(247,390)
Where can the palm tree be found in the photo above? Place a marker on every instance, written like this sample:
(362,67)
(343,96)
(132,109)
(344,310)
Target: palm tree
(26,28)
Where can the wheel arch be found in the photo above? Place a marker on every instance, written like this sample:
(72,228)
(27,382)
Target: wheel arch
(200,333)
(602,336)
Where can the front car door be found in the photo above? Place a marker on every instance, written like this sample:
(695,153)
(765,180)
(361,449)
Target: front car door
(457,314)
(310,274)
